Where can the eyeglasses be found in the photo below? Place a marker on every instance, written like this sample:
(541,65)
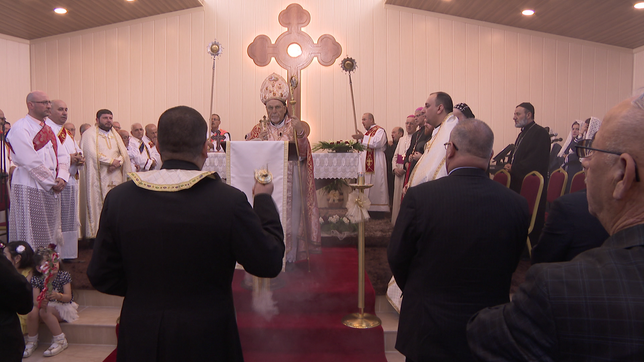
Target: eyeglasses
(450,143)
(46,103)
(584,150)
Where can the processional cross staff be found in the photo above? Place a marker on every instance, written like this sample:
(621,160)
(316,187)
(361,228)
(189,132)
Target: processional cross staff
(294,18)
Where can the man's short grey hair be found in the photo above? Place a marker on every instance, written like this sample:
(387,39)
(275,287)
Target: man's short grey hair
(474,137)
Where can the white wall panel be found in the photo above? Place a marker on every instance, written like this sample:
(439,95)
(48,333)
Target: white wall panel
(15,75)
(140,68)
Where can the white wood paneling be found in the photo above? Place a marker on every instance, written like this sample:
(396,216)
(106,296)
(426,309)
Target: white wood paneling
(140,68)
(638,69)
(15,76)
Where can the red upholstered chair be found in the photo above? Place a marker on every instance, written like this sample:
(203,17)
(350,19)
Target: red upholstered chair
(578,182)
(556,185)
(502,177)
(531,189)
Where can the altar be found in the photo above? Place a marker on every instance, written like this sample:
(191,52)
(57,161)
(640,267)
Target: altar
(325,165)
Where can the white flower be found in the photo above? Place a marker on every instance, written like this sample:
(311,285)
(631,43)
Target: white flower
(334,219)
(346,221)
(321,220)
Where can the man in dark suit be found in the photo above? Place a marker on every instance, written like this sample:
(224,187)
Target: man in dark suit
(570,230)
(591,308)
(531,153)
(456,243)
(173,271)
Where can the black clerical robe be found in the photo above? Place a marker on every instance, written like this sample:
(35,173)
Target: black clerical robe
(161,252)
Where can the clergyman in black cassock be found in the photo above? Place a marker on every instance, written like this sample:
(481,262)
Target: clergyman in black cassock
(171,253)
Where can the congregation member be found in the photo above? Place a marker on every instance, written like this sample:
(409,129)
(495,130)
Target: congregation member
(218,136)
(590,308)
(37,180)
(196,320)
(396,134)
(373,164)
(463,111)
(17,298)
(143,160)
(570,229)
(417,144)
(301,236)
(531,153)
(397,166)
(69,196)
(567,157)
(438,114)
(150,138)
(116,125)
(454,248)
(107,164)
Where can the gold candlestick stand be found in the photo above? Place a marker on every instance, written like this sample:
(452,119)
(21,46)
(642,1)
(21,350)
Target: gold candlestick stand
(361,320)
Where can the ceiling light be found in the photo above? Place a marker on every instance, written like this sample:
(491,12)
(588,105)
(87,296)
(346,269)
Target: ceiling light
(60,11)
(527,12)
(639,5)
(130,1)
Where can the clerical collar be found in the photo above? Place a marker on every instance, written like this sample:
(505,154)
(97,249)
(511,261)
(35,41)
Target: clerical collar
(281,124)
(527,126)
(104,132)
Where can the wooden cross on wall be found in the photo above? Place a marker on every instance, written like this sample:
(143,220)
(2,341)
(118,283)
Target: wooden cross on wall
(294,18)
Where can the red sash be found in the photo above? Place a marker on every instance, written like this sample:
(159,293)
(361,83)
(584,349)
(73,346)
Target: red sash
(62,135)
(44,136)
(370,161)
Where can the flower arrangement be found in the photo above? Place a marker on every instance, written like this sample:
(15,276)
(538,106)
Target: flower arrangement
(338,146)
(338,224)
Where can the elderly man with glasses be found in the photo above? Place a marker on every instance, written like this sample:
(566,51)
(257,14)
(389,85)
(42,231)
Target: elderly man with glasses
(590,308)
(39,176)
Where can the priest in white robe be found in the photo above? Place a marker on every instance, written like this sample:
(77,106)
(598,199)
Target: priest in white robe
(397,163)
(106,166)
(373,163)
(69,221)
(38,178)
(438,113)
(431,166)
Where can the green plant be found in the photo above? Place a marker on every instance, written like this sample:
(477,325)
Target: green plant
(338,146)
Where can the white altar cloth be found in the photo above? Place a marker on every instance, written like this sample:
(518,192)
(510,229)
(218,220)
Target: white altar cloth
(326,165)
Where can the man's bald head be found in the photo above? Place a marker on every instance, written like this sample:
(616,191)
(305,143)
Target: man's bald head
(151,132)
(470,145)
(70,128)
(58,112)
(84,127)
(39,105)
(137,131)
(615,190)
(125,136)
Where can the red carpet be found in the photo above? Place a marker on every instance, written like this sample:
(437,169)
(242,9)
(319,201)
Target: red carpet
(311,306)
